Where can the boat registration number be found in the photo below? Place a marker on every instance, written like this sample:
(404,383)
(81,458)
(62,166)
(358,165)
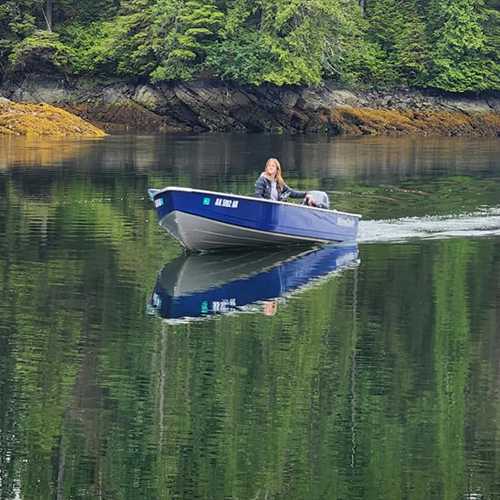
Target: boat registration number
(222,202)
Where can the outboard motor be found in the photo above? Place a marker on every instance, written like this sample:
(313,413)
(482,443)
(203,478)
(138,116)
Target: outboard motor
(320,198)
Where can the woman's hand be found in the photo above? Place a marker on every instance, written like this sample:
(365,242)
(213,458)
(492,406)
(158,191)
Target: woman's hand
(310,201)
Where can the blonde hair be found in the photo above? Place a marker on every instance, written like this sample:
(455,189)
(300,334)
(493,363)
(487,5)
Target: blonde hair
(279,179)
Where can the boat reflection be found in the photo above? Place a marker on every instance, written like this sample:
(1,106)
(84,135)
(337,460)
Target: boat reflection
(200,286)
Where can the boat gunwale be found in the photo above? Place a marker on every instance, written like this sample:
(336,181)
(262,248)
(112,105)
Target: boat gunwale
(218,193)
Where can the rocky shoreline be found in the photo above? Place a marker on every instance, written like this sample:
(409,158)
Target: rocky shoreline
(207,105)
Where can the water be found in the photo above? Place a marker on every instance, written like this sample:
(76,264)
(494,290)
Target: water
(484,222)
(375,378)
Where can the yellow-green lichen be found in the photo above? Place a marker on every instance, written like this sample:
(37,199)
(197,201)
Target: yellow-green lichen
(35,120)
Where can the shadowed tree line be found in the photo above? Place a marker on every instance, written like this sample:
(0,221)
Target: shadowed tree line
(453,46)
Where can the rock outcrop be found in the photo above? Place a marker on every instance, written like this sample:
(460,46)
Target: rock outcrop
(208,105)
(34,120)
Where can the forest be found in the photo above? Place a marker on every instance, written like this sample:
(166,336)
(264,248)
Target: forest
(450,45)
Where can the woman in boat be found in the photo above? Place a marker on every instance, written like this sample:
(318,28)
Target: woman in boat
(270,185)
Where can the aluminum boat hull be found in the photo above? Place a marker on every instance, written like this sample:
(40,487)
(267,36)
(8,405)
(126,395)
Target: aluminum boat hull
(206,220)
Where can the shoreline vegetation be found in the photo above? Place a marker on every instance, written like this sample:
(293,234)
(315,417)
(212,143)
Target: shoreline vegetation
(36,120)
(259,65)
(427,44)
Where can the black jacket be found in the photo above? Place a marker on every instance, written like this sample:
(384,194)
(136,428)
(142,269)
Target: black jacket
(263,190)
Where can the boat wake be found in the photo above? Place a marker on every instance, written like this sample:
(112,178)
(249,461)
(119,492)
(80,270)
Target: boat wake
(483,223)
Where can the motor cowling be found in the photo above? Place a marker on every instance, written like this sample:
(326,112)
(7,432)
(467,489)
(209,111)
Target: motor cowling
(320,199)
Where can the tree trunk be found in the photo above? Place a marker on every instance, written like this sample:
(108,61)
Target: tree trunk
(48,15)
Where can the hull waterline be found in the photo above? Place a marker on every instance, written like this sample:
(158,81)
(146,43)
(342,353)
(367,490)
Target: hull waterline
(197,233)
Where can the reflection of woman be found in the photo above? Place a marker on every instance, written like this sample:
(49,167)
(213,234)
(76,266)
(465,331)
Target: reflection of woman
(270,307)
(270,184)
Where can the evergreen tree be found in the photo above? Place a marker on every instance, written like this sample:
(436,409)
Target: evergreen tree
(450,45)
(182,34)
(412,48)
(399,30)
(492,31)
(286,43)
(460,59)
(16,22)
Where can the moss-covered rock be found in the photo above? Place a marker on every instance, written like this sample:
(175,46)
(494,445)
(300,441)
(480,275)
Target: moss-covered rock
(356,121)
(34,120)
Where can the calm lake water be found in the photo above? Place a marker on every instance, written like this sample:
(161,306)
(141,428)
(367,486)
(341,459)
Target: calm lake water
(373,374)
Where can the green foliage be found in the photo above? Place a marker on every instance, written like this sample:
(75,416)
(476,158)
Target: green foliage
(87,12)
(358,58)
(99,49)
(83,39)
(413,49)
(460,59)
(399,31)
(127,47)
(492,29)
(42,51)
(306,38)
(243,58)
(453,46)
(17,19)
(183,32)
(15,24)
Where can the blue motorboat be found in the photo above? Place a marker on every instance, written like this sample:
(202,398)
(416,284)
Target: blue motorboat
(206,220)
(204,285)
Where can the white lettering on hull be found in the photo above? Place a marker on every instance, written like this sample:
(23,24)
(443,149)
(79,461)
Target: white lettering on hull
(222,202)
